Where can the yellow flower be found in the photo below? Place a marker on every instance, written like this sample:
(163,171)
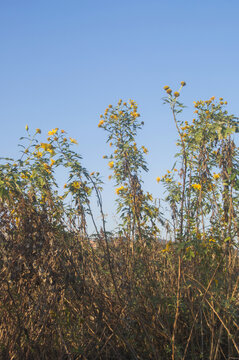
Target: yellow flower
(119,189)
(166,87)
(109,177)
(158,179)
(46,147)
(73,141)
(145,150)
(111,164)
(169,91)
(110,106)
(76,184)
(39,154)
(62,131)
(183,83)
(38,131)
(216,176)
(53,131)
(176,94)
(26,127)
(197,186)
(52,162)
(47,168)
(101,123)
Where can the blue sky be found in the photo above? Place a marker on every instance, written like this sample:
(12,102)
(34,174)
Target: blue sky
(63,62)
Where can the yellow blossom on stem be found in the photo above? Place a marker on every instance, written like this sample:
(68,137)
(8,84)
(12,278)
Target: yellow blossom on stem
(169,91)
(176,94)
(53,131)
(101,123)
(76,185)
(216,176)
(158,179)
(52,162)
(47,168)
(119,189)
(38,131)
(111,164)
(197,186)
(73,141)
(166,87)
(183,83)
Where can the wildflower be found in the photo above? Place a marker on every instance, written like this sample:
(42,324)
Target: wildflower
(53,131)
(216,176)
(62,131)
(176,94)
(47,168)
(101,123)
(65,186)
(212,98)
(76,185)
(225,102)
(109,177)
(158,179)
(120,102)
(38,131)
(166,87)
(169,91)
(91,174)
(111,164)
(110,106)
(220,98)
(197,186)
(145,150)
(52,162)
(104,157)
(46,146)
(119,189)
(26,127)
(73,141)
(39,154)
(183,83)
(221,102)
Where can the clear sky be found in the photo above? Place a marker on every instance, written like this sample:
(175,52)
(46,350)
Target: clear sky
(63,62)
